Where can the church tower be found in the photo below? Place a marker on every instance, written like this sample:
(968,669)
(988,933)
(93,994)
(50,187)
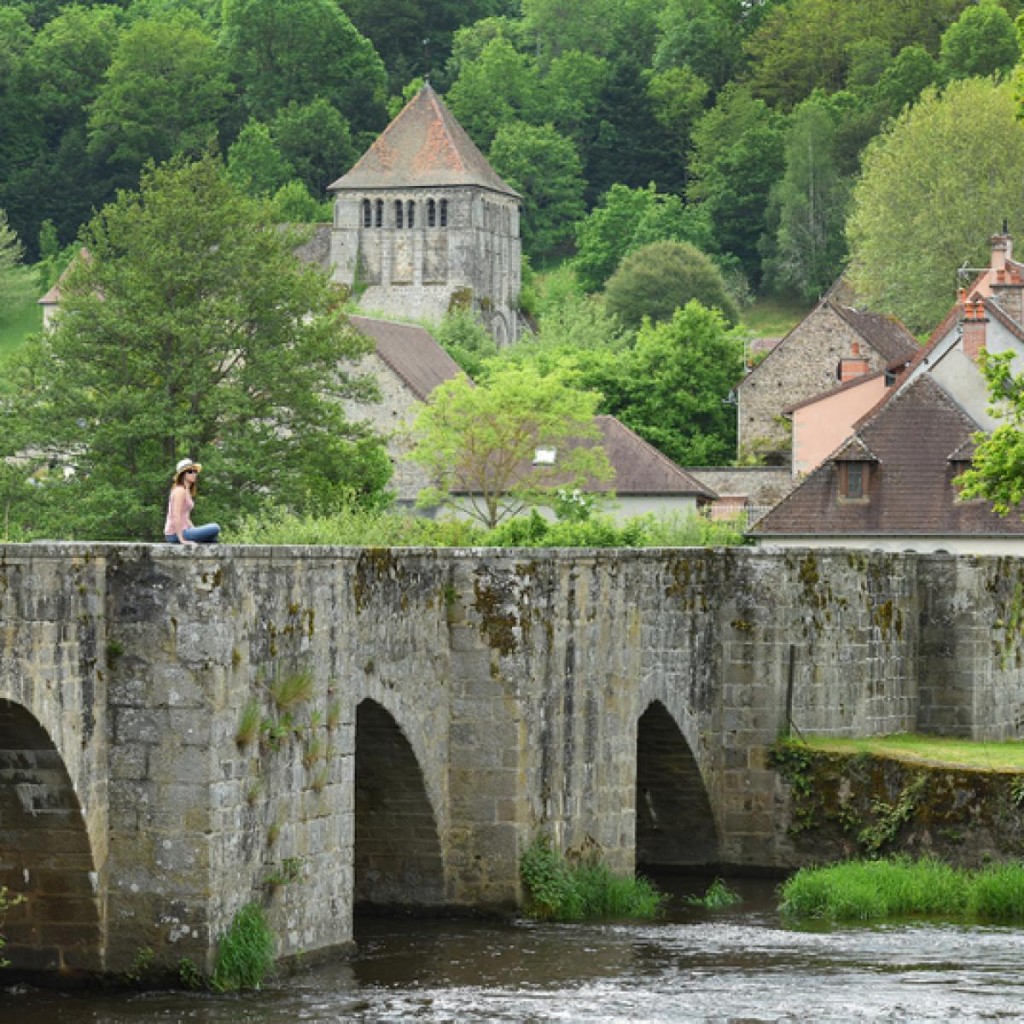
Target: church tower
(423,224)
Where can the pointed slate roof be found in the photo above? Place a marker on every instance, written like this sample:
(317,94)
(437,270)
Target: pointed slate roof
(423,146)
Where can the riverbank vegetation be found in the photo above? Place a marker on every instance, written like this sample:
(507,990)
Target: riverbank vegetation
(245,952)
(355,526)
(583,888)
(872,890)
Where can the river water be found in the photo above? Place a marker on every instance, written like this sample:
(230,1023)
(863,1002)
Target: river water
(737,965)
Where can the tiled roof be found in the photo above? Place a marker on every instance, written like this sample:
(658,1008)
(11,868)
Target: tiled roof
(884,333)
(423,146)
(918,437)
(411,352)
(640,468)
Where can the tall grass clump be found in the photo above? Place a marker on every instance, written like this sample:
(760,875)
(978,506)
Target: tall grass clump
(559,891)
(877,889)
(245,953)
(997,893)
(718,895)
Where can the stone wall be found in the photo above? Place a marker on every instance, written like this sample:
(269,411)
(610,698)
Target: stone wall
(314,727)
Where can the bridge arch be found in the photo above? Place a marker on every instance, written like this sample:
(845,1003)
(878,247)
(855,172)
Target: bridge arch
(675,824)
(46,857)
(398,855)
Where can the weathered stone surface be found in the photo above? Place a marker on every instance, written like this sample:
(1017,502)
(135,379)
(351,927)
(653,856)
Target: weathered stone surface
(183,732)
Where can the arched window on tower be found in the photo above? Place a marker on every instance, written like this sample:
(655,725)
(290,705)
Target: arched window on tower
(444,213)
(380,213)
(412,214)
(367,214)
(431,213)
(399,210)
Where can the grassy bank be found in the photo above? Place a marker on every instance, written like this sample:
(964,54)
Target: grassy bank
(930,750)
(23,320)
(900,888)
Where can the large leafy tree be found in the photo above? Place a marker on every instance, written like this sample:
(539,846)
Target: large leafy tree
(672,387)
(544,167)
(625,219)
(294,51)
(189,328)
(479,442)
(657,279)
(737,156)
(164,94)
(982,41)
(933,189)
(810,204)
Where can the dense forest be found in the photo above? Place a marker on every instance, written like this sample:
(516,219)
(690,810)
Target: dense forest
(676,158)
(739,126)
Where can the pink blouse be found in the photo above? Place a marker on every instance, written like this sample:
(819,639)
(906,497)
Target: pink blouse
(171,528)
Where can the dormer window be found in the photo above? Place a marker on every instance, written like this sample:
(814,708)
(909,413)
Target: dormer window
(854,480)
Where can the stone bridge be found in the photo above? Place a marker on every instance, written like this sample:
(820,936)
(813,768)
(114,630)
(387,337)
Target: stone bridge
(184,731)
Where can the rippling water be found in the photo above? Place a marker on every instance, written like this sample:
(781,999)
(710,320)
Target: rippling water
(735,966)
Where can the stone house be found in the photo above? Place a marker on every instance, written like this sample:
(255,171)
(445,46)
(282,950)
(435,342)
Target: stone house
(422,224)
(834,342)
(890,483)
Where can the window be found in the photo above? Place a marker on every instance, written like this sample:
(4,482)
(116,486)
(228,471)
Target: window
(854,481)
(412,214)
(399,210)
(444,213)
(431,213)
(380,213)
(367,213)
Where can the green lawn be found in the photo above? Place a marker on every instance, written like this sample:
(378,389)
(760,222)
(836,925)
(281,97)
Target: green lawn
(933,750)
(773,317)
(24,320)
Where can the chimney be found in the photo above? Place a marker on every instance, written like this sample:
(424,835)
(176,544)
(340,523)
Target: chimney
(853,365)
(973,328)
(1007,287)
(1002,250)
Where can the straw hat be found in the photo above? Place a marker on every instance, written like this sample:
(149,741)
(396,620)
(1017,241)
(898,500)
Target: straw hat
(186,464)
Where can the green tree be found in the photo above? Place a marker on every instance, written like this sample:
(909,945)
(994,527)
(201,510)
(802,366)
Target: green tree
(164,94)
(997,468)
(499,86)
(315,140)
(810,204)
(903,81)
(700,35)
(544,167)
(294,51)
(657,279)
(933,189)
(981,42)
(737,158)
(625,219)
(479,443)
(190,328)
(255,162)
(680,376)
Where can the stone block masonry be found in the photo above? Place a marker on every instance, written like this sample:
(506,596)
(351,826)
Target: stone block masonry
(185,731)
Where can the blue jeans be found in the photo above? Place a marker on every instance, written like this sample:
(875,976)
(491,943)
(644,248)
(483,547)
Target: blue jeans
(200,534)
